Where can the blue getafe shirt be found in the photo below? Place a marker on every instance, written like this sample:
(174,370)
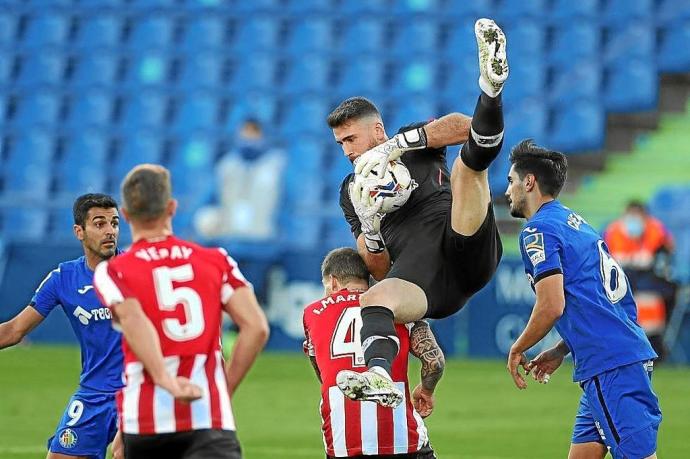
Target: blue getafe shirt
(599,323)
(71,286)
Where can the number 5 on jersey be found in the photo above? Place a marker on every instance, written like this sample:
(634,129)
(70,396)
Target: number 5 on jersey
(346,339)
(169,297)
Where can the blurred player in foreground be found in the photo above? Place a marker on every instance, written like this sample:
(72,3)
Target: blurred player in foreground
(89,422)
(584,293)
(168,296)
(332,329)
(443,242)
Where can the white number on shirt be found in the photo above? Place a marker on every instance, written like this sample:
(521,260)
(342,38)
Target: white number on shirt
(346,339)
(169,298)
(74,411)
(612,276)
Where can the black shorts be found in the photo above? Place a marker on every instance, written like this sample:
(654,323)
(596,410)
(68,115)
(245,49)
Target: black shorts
(193,444)
(449,267)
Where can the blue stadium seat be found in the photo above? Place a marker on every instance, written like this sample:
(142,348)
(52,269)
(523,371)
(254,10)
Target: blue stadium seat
(589,118)
(624,11)
(568,10)
(38,109)
(309,152)
(191,167)
(46,29)
(350,77)
(419,37)
(31,146)
(41,68)
(99,69)
(674,52)
(574,41)
(632,87)
(255,104)
(149,69)
(259,72)
(307,73)
(526,38)
(29,180)
(422,7)
(198,111)
(411,110)
(301,230)
(8,28)
(90,108)
(25,223)
(259,33)
(632,40)
(261,6)
(515,11)
(305,114)
(525,120)
(472,10)
(368,8)
(527,78)
(153,32)
(27,168)
(584,81)
(145,110)
(460,41)
(206,32)
(310,7)
(460,82)
(368,34)
(86,149)
(201,71)
(99,31)
(303,193)
(309,34)
(6,64)
(135,148)
(196,153)
(671,11)
(338,168)
(336,233)
(415,76)
(77,175)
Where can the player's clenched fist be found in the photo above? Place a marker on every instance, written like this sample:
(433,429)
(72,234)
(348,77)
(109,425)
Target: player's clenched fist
(182,389)
(423,401)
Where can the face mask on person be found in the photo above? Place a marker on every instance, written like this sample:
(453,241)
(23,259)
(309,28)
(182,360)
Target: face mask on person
(634,225)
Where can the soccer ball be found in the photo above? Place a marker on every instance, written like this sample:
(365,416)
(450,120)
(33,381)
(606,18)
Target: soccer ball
(395,187)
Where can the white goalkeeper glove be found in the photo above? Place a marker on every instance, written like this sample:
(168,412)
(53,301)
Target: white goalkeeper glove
(367,210)
(390,150)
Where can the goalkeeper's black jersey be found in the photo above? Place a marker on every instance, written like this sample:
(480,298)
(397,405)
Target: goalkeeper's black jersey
(431,200)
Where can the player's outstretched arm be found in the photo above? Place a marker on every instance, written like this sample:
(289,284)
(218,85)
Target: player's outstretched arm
(143,339)
(547,310)
(423,345)
(245,312)
(451,129)
(14,330)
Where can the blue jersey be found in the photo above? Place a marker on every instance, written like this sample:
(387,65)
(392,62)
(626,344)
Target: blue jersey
(71,286)
(599,323)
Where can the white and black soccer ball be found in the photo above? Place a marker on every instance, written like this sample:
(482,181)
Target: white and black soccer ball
(395,187)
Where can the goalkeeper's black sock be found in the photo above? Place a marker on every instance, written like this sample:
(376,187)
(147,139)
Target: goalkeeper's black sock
(379,340)
(486,136)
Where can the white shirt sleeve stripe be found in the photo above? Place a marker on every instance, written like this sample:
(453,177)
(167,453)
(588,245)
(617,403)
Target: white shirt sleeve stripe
(336,400)
(106,286)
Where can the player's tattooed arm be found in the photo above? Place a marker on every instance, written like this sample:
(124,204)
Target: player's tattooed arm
(312,359)
(451,129)
(423,345)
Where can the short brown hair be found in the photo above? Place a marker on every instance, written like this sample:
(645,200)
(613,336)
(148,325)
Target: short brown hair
(350,109)
(344,264)
(146,191)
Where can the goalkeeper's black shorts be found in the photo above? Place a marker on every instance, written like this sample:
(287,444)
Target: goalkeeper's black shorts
(449,267)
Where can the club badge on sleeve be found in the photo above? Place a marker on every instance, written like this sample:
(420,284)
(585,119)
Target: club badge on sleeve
(534,246)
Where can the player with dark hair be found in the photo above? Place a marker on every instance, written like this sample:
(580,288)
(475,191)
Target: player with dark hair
(442,245)
(584,293)
(168,296)
(332,326)
(89,422)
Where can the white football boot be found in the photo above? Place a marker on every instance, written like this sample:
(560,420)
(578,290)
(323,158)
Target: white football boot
(369,386)
(493,62)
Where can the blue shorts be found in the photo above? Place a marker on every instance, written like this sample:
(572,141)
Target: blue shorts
(619,409)
(87,427)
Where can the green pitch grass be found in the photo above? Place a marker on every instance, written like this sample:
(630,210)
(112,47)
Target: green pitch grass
(479,413)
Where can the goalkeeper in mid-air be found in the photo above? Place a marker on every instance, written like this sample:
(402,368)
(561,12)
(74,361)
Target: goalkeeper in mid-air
(442,245)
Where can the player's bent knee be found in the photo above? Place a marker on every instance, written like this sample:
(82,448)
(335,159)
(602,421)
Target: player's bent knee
(406,300)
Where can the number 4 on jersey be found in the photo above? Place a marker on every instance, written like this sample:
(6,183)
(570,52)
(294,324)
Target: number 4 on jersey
(346,339)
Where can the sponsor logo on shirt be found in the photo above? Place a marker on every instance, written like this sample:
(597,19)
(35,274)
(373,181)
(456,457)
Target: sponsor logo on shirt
(84,289)
(534,246)
(85,316)
(68,438)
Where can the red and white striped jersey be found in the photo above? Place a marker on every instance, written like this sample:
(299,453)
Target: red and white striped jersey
(332,330)
(181,287)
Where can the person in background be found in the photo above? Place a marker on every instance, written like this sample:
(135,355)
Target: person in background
(249,188)
(642,246)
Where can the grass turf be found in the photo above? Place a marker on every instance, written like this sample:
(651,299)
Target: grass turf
(479,413)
